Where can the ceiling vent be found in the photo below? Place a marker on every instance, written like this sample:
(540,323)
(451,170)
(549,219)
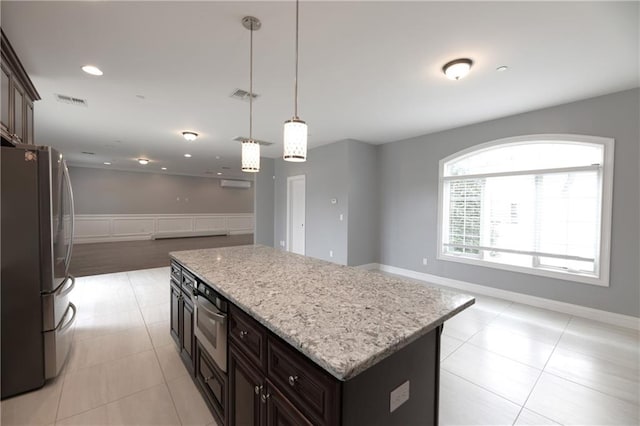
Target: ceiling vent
(71,100)
(244,138)
(226,183)
(243,95)
(88,153)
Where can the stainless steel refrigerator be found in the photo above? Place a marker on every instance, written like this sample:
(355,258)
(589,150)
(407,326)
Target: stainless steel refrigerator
(37,235)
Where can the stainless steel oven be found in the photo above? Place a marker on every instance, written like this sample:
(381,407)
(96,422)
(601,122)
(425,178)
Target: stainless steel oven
(210,328)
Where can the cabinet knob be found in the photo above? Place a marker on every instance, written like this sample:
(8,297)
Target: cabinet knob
(206,380)
(264,397)
(293,380)
(258,389)
(243,334)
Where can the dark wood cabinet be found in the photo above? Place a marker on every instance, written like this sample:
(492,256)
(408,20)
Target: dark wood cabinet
(181,323)
(174,323)
(250,336)
(280,412)
(18,95)
(213,384)
(246,390)
(187,344)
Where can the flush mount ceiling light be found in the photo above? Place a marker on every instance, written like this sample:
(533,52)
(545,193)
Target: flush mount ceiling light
(163,168)
(219,174)
(143,161)
(93,70)
(295,130)
(251,148)
(190,136)
(457,69)
(187,155)
(106,163)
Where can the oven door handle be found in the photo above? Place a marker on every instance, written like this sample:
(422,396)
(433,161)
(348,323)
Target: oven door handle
(216,316)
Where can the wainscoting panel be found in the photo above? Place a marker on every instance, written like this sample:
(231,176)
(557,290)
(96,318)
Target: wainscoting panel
(105,228)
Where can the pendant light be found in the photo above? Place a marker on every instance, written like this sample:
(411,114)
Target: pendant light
(295,130)
(251,148)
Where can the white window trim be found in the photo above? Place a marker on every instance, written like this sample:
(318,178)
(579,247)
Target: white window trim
(607,206)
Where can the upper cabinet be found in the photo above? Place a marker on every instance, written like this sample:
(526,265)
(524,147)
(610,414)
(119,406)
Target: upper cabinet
(18,95)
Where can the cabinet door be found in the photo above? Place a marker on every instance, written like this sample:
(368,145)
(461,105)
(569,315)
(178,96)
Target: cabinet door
(280,411)
(187,340)
(246,389)
(28,123)
(5,104)
(214,384)
(174,324)
(18,112)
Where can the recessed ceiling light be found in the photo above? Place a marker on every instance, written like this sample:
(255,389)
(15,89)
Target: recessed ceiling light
(91,69)
(217,157)
(163,168)
(457,69)
(219,174)
(190,136)
(188,155)
(106,163)
(502,68)
(143,161)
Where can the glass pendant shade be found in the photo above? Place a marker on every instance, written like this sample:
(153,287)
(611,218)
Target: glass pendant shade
(295,140)
(250,156)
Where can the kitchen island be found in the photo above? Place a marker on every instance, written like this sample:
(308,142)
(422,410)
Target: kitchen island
(317,342)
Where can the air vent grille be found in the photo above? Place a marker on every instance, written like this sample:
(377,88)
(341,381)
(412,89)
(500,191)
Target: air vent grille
(244,138)
(243,95)
(71,100)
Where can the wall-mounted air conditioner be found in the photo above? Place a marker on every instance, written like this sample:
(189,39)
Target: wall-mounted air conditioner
(226,183)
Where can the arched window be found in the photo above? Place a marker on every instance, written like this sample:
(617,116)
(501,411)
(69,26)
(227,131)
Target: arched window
(538,204)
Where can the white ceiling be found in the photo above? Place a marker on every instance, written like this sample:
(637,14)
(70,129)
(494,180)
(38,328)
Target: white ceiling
(368,70)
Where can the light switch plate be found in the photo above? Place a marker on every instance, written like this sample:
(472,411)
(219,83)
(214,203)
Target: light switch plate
(398,396)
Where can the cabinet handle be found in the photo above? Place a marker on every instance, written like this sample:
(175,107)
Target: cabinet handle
(258,389)
(206,380)
(293,380)
(264,397)
(243,334)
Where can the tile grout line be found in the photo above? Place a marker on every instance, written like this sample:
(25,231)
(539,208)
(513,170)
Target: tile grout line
(542,371)
(155,352)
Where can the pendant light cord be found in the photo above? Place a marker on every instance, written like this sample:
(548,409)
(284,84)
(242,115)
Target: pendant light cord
(295,115)
(251,83)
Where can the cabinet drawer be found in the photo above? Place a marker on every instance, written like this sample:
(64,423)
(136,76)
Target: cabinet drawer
(213,383)
(188,283)
(249,335)
(314,392)
(176,271)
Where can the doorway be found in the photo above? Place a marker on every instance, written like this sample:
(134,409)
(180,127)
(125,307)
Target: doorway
(296,214)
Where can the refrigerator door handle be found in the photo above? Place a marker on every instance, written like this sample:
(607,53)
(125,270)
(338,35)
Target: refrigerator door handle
(67,179)
(67,290)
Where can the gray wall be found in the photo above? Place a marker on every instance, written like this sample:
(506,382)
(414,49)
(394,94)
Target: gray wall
(409,192)
(327,177)
(364,218)
(99,191)
(263,202)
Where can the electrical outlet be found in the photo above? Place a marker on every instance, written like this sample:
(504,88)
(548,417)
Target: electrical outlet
(424,261)
(330,253)
(341,217)
(398,396)
(281,243)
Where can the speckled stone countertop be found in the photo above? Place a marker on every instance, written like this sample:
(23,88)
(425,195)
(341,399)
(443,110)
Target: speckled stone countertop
(343,318)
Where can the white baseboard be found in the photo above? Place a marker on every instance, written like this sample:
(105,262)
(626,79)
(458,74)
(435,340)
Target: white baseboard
(369,266)
(540,302)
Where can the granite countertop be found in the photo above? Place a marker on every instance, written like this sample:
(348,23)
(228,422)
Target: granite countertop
(343,318)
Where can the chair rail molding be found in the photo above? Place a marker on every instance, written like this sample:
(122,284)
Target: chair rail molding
(97,228)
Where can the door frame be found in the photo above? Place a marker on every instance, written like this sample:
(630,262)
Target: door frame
(290,180)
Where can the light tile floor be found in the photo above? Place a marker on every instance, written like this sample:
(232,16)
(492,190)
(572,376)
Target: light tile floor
(503,363)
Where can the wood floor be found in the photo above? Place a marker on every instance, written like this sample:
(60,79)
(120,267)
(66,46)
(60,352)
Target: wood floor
(105,258)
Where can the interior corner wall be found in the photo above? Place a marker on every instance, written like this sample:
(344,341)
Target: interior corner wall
(100,191)
(264,203)
(326,177)
(364,218)
(409,200)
